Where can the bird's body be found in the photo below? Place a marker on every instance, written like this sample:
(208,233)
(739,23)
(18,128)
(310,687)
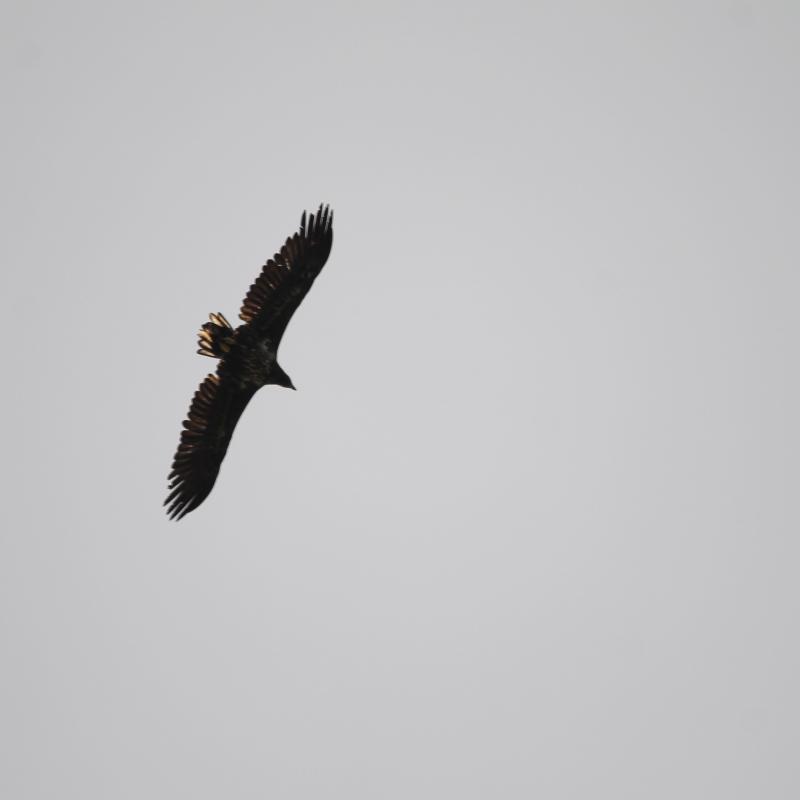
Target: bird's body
(248,360)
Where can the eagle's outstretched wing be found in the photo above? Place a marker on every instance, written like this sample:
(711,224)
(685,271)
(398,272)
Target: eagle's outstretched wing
(216,407)
(286,278)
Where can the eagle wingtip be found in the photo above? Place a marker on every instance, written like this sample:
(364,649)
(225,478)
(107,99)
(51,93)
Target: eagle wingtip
(317,224)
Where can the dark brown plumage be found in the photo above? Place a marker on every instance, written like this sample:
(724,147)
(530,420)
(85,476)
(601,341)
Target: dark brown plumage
(248,360)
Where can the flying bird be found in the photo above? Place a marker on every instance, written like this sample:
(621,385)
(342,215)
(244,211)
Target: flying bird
(248,360)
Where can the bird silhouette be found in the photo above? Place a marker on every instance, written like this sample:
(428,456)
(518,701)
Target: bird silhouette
(248,360)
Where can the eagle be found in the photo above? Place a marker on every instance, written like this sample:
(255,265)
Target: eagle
(248,360)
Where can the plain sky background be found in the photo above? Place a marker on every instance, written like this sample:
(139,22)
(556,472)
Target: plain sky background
(529,526)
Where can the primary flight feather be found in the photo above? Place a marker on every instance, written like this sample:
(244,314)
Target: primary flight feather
(247,360)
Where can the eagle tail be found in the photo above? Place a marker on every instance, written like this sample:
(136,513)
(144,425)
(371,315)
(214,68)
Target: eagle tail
(215,337)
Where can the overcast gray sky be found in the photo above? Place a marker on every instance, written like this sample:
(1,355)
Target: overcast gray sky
(529,526)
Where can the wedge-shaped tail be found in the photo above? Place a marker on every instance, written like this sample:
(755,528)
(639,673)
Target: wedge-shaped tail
(215,337)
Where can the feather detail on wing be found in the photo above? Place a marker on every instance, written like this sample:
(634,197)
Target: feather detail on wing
(215,409)
(286,278)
